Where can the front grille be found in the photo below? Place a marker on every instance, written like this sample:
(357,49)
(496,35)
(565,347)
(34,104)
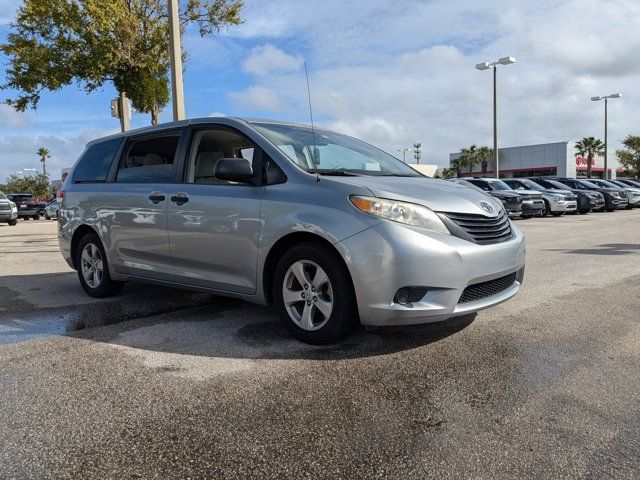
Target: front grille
(483,230)
(5,206)
(486,289)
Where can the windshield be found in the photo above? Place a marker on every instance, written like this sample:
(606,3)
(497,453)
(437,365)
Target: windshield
(499,185)
(605,184)
(550,184)
(589,184)
(332,153)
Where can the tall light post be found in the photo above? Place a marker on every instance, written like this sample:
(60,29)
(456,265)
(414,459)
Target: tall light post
(175,56)
(404,153)
(417,153)
(606,101)
(487,66)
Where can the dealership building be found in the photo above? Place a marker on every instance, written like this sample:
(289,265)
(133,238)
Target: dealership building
(557,159)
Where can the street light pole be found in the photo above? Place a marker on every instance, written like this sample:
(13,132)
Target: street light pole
(606,104)
(487,66)
(404,153)
(175,55)
(495,120)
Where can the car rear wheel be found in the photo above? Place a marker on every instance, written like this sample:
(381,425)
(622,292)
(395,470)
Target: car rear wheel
(314,294)
(93,269)
(13,222)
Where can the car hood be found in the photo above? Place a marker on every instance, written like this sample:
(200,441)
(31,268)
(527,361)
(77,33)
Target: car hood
(438,195)
(534,193)
(503,194)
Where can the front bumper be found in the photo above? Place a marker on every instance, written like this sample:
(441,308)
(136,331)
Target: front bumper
(564,206)
(533,207)
(620,203)
(390,256)
(7,215)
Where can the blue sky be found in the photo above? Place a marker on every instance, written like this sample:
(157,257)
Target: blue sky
(392,73)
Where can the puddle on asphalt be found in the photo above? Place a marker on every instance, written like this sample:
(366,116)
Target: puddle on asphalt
(16,330)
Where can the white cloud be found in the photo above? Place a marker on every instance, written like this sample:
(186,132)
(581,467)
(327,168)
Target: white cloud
(260,98)
(10,118)
(394,75)
(267,59)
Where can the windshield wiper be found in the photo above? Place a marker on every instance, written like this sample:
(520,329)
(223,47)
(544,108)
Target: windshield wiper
(328,171)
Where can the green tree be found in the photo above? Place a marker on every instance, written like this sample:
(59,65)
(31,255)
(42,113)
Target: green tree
(43,153)
(37,185)
(469,157)
(589,148)
(448,173)
(629,157)
(55,43)
(484,154)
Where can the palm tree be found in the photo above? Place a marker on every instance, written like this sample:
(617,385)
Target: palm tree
(484,154)
(589,148)
(457,164)
(43,153)
(469,157)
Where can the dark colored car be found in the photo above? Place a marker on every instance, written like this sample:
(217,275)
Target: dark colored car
(532,202)
(587,201)
(633,194)
(511,201)
(41,207)
(27,205)
(614,198)
(633,183)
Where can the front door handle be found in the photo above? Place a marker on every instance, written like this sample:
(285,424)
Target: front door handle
(180,198)
(157,197)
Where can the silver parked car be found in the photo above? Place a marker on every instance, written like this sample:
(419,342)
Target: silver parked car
(556,202)
(8,210)
(51,210)
(327,228)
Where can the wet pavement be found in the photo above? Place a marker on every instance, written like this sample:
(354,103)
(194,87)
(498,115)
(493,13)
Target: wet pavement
(161,383)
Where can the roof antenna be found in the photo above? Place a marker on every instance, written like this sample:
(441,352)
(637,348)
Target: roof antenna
(313,131)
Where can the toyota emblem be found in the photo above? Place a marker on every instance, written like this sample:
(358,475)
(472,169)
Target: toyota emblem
(486,207)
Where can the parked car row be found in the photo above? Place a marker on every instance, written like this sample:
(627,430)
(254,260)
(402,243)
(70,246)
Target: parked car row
(540,196)
(26,206)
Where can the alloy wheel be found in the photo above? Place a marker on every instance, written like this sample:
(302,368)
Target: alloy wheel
(91,265)
(308,295)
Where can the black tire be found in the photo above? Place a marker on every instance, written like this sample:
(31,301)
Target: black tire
(525,217)
(36,217)
(13,222)
(26,218)
(584,211)
(556,214)
(47,217)
(106,287)
(344,314)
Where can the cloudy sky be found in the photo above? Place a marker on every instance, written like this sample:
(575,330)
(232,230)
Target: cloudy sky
(392,73)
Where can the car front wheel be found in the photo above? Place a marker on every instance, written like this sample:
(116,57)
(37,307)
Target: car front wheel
(314,294)
(93,269)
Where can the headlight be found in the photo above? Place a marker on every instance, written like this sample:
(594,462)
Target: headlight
(401,212)
(14,207)
(558,198)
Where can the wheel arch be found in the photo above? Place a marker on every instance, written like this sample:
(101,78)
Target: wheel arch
(79,232)
(280,247)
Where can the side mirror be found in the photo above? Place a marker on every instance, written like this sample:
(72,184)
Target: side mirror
(233,169)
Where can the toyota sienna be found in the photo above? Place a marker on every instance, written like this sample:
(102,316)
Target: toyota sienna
(330,230)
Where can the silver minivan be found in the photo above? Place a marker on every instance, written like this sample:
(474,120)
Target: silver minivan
(330,230)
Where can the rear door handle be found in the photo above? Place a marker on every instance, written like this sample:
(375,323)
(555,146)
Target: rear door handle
(157,197)
(180,198)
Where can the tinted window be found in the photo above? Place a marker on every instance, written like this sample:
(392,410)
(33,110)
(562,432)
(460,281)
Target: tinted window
(96,161)
(483,185)
(149,160)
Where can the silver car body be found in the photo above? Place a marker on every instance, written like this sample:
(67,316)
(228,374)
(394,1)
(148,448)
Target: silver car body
(8,209)
(51,210)
(225,238)
(557,201)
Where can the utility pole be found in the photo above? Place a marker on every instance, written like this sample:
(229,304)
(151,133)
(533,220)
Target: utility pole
(120,109)
(417,154)
(175,54)
(404,153)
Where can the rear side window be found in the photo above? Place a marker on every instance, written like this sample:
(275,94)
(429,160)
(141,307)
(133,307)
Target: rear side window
(96,161)
(149,160)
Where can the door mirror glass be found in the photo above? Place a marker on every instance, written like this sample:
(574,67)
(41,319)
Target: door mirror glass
(233,169)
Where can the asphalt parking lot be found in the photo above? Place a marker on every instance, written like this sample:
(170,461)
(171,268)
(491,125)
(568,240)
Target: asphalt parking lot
(160,383)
